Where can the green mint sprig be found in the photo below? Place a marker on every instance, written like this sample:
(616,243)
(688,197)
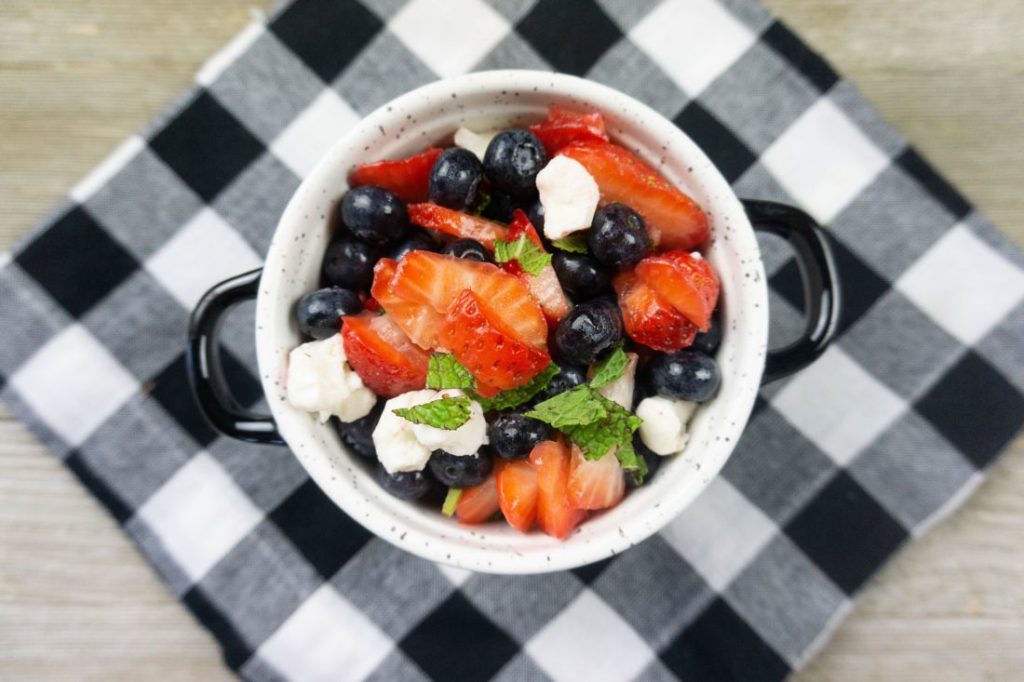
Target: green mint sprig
(530,257)
(515,397)
(573,243)
(610,368)
(576,407)
(448,413)
(444,371)
(594,423)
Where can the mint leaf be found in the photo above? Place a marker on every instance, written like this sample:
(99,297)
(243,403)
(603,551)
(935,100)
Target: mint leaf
(591,421)
(451,501)
(530,257)
(515,397)
(573,243)
(632,462)
(614,429)
(578,406)
(609,369)
(447,413)
(444,371)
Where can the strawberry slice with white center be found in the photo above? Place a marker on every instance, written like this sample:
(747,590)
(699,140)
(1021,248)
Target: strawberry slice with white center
(674,220)
(420,322)
(436,280)
(544,286)
(595,483)
(456,223)
(382,355)
(556,514)
(622,389)
(686,281)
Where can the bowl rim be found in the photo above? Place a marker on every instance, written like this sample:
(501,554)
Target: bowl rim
(389,518)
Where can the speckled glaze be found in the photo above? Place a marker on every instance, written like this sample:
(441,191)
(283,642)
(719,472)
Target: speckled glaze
(487,100)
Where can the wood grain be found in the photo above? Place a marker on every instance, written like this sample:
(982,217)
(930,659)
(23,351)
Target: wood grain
(76,76)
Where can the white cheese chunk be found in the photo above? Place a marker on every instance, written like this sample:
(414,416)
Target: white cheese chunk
(397,446)
(465,440)
(320,380)
(569,196)
(473,141)
(404,446)
(664,426)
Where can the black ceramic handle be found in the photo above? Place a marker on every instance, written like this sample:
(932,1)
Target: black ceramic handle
(821,284)
(205,373)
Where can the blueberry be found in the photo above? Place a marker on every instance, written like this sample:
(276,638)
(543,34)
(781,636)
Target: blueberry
(358,435)
(709,341)
(405,485)
(687,375)
(569,376)
(319,312)
(652,458)
(513,159)
(463,471)
(512,435)
(587,332)
(417,241)
(374,215)
(455,178)
(469,249)
(608,300)
(349,263)
(536,215)
(580,275)
(498,206)
(618,236)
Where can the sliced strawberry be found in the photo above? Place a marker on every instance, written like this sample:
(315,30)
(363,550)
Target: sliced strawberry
(479,503)
(436,280)
(649,319)
(544,286)
(382,355)
(556,515)
(520,226)
(407,178)
(478,338)
(456,223)
(563,127)
(371,304)
(674,220)
(547,291)
(686,281)
(419,322)
(517,493)
(595,483)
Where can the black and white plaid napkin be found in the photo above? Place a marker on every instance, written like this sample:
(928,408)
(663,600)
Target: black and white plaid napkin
(839,466)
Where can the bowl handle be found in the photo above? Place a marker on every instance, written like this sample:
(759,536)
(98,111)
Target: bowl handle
(820,280)
(209,386)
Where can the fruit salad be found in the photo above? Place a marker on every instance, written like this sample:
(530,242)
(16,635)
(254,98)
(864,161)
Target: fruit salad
(516,327)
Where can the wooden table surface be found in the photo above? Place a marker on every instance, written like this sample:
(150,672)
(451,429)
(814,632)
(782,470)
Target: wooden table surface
(76,76)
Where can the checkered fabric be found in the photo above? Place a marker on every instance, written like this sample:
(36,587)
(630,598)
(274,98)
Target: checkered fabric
(839,466)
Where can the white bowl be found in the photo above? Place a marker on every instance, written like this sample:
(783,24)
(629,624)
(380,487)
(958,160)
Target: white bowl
(488,100)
